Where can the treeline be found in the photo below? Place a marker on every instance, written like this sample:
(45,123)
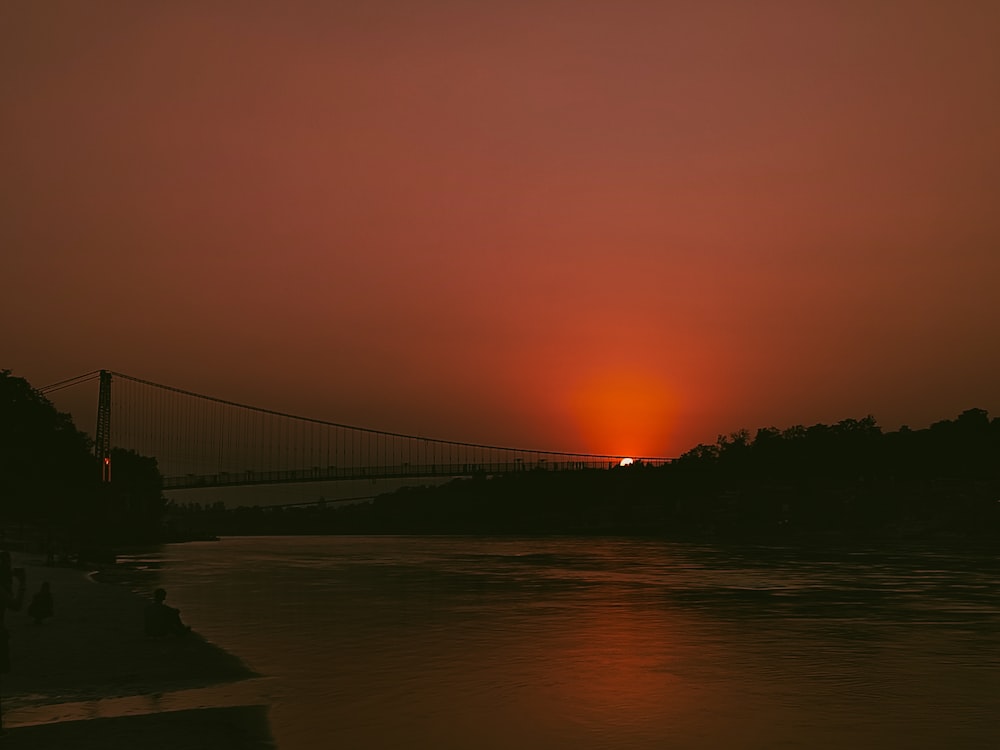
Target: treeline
(847,480)
(964,448)
(51,495)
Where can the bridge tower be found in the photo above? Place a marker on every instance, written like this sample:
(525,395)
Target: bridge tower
(102,442)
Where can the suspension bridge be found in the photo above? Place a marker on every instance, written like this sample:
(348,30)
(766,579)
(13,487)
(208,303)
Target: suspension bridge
(201,441)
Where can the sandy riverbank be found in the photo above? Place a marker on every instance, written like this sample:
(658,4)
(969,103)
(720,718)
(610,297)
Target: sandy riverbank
(93,649)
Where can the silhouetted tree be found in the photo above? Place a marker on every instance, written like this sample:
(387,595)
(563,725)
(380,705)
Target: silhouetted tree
(46,465)
(133,502)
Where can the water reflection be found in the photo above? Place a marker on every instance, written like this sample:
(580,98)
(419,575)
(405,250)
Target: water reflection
(456,643)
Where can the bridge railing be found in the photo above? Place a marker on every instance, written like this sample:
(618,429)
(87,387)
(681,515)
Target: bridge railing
(400,471)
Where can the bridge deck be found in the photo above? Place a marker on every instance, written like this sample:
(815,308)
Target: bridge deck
(404,471)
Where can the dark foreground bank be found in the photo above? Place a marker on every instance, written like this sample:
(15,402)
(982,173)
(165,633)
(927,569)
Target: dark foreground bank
(94,649)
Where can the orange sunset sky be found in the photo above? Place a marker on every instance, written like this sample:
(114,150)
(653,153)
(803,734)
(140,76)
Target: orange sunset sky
(618,227)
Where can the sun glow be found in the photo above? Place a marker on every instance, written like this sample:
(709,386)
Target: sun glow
(624,414)
(626,462)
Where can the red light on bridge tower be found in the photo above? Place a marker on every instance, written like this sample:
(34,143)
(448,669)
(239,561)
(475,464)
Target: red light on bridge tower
(102,438)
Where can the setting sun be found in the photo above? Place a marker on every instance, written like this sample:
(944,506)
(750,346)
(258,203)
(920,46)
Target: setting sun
(626,462)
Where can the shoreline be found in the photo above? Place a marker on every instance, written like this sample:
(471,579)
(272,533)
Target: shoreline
(93,656)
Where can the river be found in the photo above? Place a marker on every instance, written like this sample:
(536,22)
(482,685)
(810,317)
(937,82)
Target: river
(469,642)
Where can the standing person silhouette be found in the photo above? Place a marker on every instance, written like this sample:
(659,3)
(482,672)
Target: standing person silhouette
(12,600)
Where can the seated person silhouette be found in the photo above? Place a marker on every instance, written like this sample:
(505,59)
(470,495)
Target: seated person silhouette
(41,604)
(163,620)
